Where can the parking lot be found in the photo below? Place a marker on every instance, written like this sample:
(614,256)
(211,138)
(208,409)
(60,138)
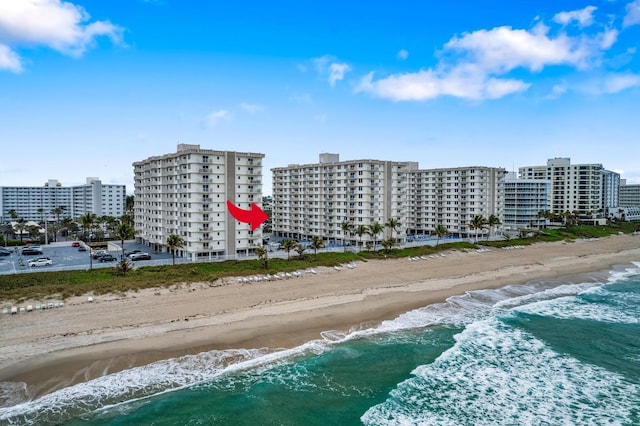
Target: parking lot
(66,257)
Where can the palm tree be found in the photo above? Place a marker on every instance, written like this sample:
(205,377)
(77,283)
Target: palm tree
(6,230)
(360,231)
(347,228)
(300,249)
(263,255)
(387,244)
(440,231)
(392,224)
(316,243)
(13,214)
(127,218)
(21,224)
(34,231)
(57,212)
(174,242)
(288,245)
(492,221)
(86,220)
(374,229)
(124,232)
(66,224)
(478,222)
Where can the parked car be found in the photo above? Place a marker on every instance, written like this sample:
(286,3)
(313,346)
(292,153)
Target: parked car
(108,258)
(5,252)
(41,261)
(99,253)
(82,248)
(129,253)
(140,256)
(31,250)
(75,244)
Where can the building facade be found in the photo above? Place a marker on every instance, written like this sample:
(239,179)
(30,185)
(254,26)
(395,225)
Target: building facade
(629,195)
(315,199)
(452,197)
(610,189)
(523,200)
(37,203)
(574,187)
(186,192)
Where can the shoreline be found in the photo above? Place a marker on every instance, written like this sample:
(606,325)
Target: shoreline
(53,349)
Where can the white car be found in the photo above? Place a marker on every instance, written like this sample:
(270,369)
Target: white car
(41,261)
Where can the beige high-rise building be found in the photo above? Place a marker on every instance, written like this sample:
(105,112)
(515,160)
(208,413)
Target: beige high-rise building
(574,187)
(453,196)
(185,193)
(315,199)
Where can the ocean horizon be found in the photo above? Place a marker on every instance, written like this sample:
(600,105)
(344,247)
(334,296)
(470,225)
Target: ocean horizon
(560,351)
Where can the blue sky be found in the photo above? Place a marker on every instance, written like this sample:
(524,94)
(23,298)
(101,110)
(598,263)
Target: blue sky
(87,87)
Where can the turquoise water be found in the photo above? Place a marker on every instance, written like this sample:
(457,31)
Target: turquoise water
(543,353)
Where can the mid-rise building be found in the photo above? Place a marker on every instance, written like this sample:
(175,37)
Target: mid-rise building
(315,199)
(574,187)
(453,196)
(629,194)
(185,193)
(38,203)
(524,199)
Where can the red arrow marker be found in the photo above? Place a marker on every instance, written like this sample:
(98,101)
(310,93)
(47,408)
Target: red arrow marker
(255,216)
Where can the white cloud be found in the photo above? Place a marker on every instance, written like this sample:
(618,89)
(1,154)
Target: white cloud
(425,85)
(336,72)
(619,82)
(59,25)
(557,90)
(584,17)
(328,67)
(633,14)
(9,60)
(215,117)
(474,65)
(613,83)
(403,54)
(251,108)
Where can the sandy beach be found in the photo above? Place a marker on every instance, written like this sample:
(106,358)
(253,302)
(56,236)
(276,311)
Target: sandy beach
(57,347)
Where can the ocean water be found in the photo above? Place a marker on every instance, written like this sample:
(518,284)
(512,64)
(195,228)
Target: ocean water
(545,353)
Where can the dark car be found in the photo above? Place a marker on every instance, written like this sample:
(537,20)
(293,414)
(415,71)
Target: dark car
(99,253)
(140,256)
(4,252)
(31,250)
(108,258)
(82,248)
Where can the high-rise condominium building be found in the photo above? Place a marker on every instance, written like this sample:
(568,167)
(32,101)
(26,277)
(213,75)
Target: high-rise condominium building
(315,199)
(523,200)
(37,203)
(610,189)
(452,197)
(574,187)
(185,193)
(629,195)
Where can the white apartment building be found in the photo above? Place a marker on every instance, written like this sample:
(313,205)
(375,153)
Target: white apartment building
(36,203)
(523,199)
(629,194)
(452,197)
(186,192)
(315,199)
(574,187)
